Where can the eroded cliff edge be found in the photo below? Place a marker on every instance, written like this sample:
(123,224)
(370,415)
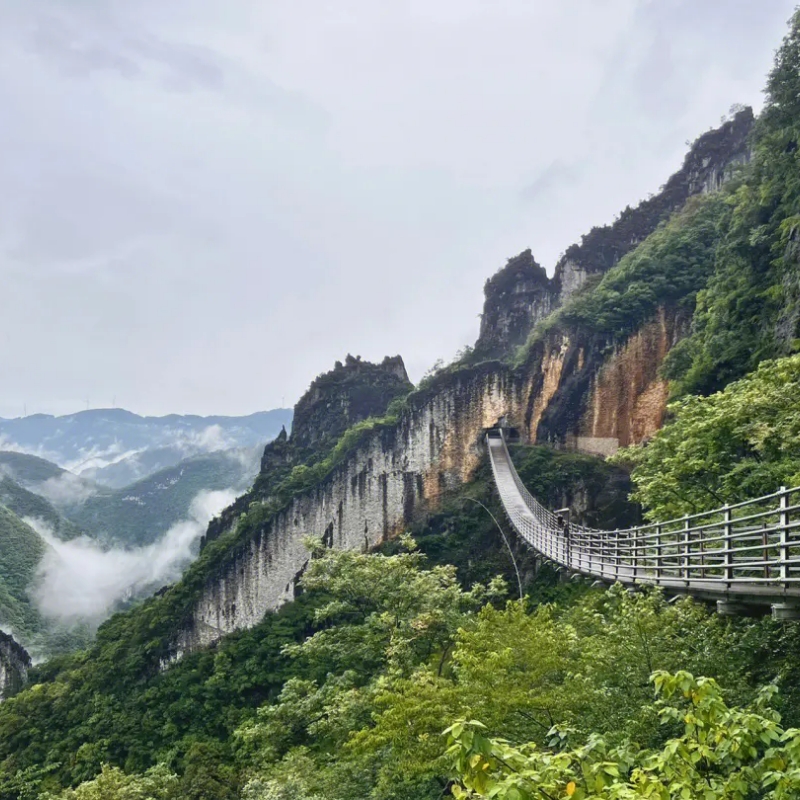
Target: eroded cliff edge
(573,388)
(14,665)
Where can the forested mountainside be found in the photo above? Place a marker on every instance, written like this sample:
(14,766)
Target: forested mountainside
(141,513)
(314,651)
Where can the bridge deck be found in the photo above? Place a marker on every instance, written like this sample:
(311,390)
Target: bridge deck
(748,553)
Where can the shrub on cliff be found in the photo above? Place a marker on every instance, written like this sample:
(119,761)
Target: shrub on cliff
(668,268)
(750,309)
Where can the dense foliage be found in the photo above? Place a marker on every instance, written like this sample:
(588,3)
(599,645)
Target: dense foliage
(28,469)
(22,549)
(741,442)
(668,268)
(722,754)
(358,681)
(25,503)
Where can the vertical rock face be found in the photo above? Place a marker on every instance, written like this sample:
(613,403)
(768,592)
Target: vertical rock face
(14,666)
(576,390)
(347,394)
(371,496)
(517,297)
(627,399)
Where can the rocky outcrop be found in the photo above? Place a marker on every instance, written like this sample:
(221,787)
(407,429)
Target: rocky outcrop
(371,496)
(520,294)
(349,393)
(14,665)
(517,297)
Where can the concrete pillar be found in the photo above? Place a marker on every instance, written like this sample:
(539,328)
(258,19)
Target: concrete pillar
(732,608)
(786,611)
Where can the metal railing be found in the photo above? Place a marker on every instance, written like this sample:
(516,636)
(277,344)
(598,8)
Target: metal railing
(748,552)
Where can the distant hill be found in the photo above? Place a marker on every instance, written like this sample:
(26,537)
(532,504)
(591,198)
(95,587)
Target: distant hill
(115,447)
(25,503)
(58,486)
(141,513)
(27,469)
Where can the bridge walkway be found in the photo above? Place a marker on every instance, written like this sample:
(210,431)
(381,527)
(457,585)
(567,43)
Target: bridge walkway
(743,556)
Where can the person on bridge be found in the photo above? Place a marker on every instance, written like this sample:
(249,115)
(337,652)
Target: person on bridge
(562,520)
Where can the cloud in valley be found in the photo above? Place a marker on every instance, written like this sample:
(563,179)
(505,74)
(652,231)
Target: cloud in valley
(80,581)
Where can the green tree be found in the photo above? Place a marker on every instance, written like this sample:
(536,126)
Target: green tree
(722,753)
(113,784)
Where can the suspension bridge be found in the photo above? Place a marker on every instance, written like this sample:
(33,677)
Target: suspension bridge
(745,556)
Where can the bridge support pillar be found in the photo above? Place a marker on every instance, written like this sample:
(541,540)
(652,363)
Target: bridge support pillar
(786,611)
(732,608)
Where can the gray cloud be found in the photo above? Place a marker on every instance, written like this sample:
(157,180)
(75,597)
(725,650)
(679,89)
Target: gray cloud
(203,204)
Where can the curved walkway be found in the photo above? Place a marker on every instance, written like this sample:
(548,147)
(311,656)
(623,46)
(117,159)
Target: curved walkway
(741,555)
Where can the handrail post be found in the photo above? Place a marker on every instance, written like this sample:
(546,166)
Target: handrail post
(635,554)
(686,548)
(728,549)
(784,536)
(616,554)
(658,554)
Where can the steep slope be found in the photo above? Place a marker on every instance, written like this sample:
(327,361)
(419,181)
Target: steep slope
(25,503)
(21,551)
(521,295)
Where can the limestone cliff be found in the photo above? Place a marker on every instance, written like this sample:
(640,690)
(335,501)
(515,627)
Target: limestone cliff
(605,396)
(517,297)
(577,388)
(14,666)
(336,400)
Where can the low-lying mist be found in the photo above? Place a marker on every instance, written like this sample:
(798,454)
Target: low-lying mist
(80,581)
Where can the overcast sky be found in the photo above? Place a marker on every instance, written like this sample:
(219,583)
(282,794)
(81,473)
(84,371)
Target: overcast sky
(204,203)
